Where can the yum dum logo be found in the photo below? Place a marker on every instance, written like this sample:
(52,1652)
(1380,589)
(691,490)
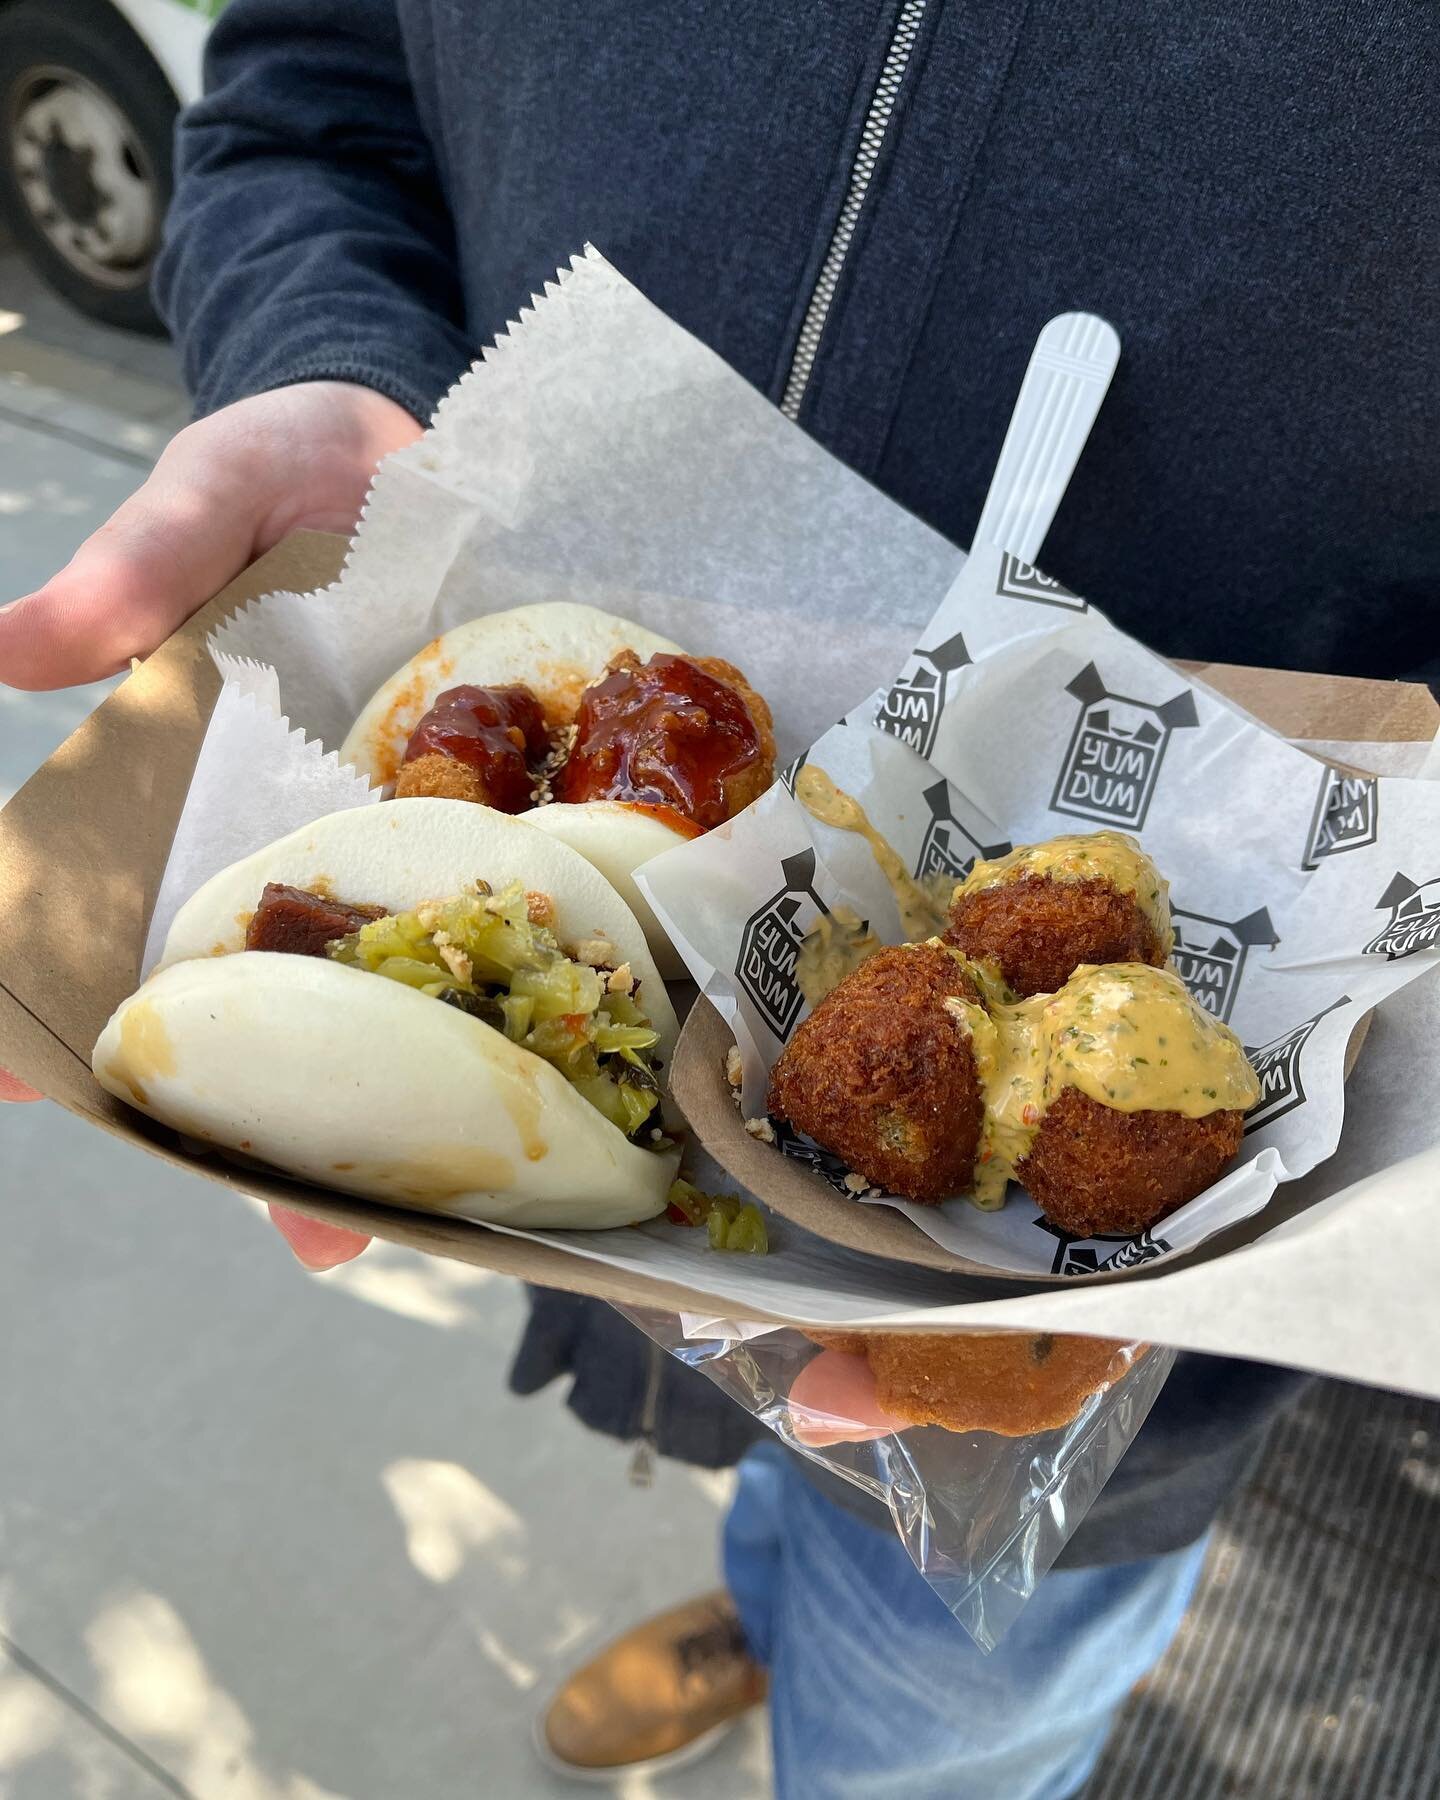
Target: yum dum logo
(1346,816)
(1278,1066)
(1414,918)
(824,1163)
(1209,955)
(1114,758)
(1083,1256)
(912,708)
(770,944)
(1023,581)
(948,848)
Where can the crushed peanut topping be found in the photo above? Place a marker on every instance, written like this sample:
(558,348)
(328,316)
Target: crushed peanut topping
(454,958)
(597,951)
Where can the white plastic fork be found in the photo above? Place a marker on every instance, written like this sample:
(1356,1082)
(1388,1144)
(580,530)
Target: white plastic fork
(1065,382)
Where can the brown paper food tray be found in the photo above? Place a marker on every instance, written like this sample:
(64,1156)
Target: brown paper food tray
(83,846)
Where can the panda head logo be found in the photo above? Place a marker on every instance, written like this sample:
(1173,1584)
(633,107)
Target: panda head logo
(1116,750)
(911,709)
(1023,581)
(1414,922)
(770,945)
(1209,954)
(1278,1066)
(948,848)
(1083,1256)
(1346,816)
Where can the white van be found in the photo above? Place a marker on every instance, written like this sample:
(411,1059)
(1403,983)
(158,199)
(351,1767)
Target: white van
(89,90)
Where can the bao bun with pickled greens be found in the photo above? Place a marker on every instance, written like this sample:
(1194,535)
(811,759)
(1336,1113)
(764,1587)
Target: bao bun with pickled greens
(606,736)
(426,1003)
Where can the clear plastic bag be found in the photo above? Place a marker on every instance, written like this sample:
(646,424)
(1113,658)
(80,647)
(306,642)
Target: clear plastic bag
(982,1515)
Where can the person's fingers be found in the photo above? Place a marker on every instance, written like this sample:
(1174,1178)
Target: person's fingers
(11,1089)
(317,1245)
(225,490)
(175,542)
(832,1401)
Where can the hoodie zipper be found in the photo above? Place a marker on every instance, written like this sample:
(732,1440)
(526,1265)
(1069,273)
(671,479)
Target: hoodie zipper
(872,137)
(642,1463)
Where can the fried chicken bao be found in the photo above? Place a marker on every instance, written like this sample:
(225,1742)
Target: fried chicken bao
(687,737)
(1044,910)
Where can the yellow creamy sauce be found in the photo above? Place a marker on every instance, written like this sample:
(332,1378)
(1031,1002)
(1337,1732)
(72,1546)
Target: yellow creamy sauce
(1109,856)
(923,907)
(1128,1036)
(834,947)
(145,1050)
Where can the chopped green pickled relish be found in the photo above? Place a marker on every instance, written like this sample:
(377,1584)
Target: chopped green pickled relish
(729,1224)
(481,954)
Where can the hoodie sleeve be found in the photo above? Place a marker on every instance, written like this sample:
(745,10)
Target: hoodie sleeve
(309,238)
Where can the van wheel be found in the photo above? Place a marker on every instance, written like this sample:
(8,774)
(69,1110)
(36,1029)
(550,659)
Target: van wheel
(86,120)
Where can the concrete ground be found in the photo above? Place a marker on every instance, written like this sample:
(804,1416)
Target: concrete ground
(266,1536)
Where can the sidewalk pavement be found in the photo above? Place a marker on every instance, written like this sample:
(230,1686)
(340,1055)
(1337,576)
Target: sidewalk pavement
(264,1535)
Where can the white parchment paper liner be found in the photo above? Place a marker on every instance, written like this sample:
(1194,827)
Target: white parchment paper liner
(1294,904)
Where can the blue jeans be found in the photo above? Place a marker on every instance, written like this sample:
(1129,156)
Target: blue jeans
(877,1694)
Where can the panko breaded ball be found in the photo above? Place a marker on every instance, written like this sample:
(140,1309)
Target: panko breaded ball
(1009,1382)
(1095,1171)
(1041,911)
(1040,930)
(883,1074)
(436,776)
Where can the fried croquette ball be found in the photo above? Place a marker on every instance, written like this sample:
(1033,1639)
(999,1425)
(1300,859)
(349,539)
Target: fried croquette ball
(882,1073)
(1095,1171)
(1009,1382)
(686,732)
(439,777)
(1039,930)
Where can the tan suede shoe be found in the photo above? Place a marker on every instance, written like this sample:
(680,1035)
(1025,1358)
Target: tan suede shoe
(659,1696)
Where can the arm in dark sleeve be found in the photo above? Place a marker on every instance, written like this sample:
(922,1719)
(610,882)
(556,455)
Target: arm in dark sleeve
(309,238)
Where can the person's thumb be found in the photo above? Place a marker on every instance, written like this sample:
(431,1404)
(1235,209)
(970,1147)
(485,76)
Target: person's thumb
(169,547)
(12,1089)
(833,1401)
(318,1245)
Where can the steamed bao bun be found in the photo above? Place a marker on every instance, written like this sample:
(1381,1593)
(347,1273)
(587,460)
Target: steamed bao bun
(363,1084)
(557,650)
